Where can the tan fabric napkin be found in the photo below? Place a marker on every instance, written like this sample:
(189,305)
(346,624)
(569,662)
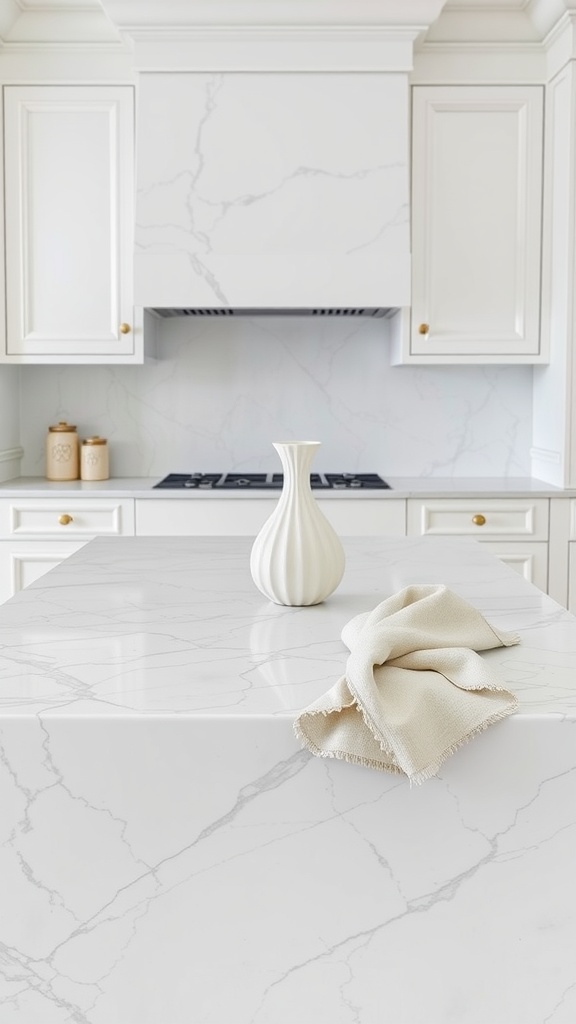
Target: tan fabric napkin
(414,689)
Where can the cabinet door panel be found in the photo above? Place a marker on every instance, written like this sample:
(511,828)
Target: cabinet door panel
(530,560)
(69,214)
(23,564)
(476,215)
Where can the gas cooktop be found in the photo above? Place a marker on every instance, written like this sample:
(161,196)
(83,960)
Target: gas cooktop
(269,481)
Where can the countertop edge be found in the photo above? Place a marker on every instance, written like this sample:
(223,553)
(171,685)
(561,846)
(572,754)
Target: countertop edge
(400,488)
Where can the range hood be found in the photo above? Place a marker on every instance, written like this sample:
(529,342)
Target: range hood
(272,191)
(273,156)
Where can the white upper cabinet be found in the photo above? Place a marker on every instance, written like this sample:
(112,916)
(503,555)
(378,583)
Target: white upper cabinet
(69,186)
(476,224)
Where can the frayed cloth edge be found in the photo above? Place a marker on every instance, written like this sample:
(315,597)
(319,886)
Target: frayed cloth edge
(417,778)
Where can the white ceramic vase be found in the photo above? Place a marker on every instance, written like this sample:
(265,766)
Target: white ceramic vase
(297,558)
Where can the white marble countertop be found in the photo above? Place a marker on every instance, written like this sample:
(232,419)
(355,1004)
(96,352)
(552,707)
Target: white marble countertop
(401,487)
(175,626)
(170,855)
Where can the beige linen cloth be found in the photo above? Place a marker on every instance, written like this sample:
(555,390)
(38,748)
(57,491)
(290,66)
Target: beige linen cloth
(414,689)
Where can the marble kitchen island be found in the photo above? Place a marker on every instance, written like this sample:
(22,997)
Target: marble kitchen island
(170,855)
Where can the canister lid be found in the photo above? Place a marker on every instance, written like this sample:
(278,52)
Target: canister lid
(94,440)
(62,425)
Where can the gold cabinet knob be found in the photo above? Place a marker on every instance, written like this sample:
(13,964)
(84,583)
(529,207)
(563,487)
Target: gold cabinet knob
(65,519)
(479,520)
(125,328)
(423,328)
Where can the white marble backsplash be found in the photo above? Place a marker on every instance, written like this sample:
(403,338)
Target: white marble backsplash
(222,390)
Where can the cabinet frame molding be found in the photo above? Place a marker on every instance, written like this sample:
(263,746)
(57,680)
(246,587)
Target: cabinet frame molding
(39,327)
(512,335)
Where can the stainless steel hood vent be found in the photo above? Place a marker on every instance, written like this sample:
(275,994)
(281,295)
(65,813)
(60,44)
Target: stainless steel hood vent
(166,313)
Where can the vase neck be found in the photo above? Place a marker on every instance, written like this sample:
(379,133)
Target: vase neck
(296,458)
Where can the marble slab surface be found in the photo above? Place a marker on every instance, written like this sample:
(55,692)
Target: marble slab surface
(171,626)
(400,487)
(169,854)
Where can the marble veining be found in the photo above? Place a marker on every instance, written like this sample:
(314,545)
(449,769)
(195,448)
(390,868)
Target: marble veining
(259,195)
(147,631)
(221,392)
(169,855)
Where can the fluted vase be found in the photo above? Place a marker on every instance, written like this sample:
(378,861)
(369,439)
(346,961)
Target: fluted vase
(297,558)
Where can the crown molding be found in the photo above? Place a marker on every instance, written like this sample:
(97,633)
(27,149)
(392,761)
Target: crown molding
(486,5)
(560,44)
(10,11)
(134,15)
(281,34)
(477,63)
(56,24)
(259,48)
(547,14)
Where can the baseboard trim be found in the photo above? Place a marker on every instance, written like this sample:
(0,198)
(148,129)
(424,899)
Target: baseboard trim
(9,454)
(545,455)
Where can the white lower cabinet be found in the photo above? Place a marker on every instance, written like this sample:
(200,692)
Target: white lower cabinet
(530,560)
(572,577)
(36,534)
(572,560)
(237,518)
(22,563)
(514,529)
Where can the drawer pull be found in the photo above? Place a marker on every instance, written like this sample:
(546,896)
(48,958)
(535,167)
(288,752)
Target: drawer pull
(65,519)
(424,329)
(124,328)
(479,520)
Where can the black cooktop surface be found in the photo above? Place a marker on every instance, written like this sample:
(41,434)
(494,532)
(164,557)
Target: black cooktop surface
(269,481)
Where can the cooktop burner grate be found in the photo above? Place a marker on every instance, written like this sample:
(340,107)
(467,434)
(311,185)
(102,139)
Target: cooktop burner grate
(269,481)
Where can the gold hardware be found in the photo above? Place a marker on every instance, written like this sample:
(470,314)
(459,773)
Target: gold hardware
(62,426)
(479,520)
(124,328)
(424,329)
(64,520)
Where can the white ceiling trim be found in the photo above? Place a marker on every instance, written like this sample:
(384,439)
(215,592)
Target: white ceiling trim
(10,11)
(487,5)
(45,24)
(59,5)
(452,23)
(132,15)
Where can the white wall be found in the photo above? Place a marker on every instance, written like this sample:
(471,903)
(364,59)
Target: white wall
(222,391)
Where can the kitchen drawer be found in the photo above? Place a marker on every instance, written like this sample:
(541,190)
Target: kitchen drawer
(24,562)
(483,518)
(66,518)
(229,517)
